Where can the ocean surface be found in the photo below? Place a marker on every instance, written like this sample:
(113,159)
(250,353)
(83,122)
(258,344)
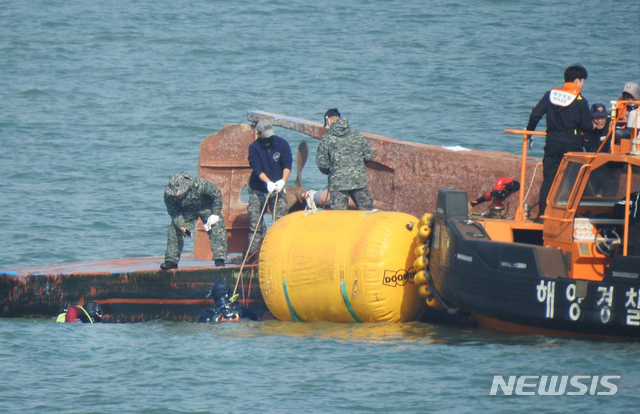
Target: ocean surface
(101,102)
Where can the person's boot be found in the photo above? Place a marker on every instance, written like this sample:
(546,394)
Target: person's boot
(167,265)
(219,262)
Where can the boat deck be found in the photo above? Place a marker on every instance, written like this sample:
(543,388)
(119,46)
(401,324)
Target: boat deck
(134,264)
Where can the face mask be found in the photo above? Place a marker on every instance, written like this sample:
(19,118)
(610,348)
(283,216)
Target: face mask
(267,141)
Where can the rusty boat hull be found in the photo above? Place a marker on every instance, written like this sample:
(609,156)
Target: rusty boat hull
(129,290)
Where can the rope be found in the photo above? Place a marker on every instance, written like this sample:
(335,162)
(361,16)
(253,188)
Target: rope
(275,207)
(250,243)
(434,292)
(309,197)
(325,202)
(246,305)
(531,184)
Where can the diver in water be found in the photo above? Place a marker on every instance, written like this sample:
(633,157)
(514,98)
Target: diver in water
(226,309)
(90,312)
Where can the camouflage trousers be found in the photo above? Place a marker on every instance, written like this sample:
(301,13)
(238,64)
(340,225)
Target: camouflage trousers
(217,238)
(361,197)
(256,203)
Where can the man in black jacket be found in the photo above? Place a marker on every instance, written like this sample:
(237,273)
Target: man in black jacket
(568,116)
(594,138)
(270,159)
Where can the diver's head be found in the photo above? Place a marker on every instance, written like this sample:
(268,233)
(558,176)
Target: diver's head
(220,289)
(94,310)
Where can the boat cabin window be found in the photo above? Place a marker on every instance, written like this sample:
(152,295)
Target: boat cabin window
(567,183)
(610,181)
(606,186)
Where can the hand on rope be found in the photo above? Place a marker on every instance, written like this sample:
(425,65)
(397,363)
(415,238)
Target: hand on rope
(271,187)
(279,185)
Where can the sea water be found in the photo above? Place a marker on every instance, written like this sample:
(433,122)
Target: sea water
(101,102)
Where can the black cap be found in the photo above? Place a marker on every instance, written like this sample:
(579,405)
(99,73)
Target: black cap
(598,110)
(331,112)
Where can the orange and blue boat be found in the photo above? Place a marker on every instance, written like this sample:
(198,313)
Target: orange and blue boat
(573,271)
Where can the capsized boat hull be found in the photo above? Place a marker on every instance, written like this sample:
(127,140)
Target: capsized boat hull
(525,288)
(128,290)
(403,176)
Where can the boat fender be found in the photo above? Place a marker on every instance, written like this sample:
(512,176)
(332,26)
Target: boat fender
(425,219)
(420,263)
(420,278)
(424,232)
(423,290)
(432,302)
(421,250)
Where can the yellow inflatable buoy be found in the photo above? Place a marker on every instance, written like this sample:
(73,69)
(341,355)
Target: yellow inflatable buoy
(340,266)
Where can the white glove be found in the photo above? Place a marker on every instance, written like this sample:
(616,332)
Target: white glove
(271,187)
(279,186)
(213,219)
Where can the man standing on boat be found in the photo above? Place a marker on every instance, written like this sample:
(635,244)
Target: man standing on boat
(568,116)
(188,198)
(341,155)
(270,158)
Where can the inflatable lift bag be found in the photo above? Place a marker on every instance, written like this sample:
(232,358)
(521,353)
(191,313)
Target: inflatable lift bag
(341,266)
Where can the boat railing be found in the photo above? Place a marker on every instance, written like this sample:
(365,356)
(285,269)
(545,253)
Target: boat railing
(520,212)
(619,123)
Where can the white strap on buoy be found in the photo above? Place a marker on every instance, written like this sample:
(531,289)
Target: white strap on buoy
(310,208)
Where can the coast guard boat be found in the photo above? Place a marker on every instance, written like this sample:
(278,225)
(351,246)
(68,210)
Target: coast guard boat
(574,271)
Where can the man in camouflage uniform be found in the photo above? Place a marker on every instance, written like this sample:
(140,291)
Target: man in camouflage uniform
(270,159)
(341,154)
(188,198)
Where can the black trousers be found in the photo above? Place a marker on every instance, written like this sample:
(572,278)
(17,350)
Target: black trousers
(553,153)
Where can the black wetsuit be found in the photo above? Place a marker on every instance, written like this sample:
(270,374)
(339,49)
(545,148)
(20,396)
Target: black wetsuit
(225,311)
(565,125)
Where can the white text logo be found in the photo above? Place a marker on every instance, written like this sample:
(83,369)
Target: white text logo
(555,385)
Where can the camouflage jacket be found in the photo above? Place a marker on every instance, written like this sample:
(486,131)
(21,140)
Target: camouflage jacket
(341,154)
(201,199)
